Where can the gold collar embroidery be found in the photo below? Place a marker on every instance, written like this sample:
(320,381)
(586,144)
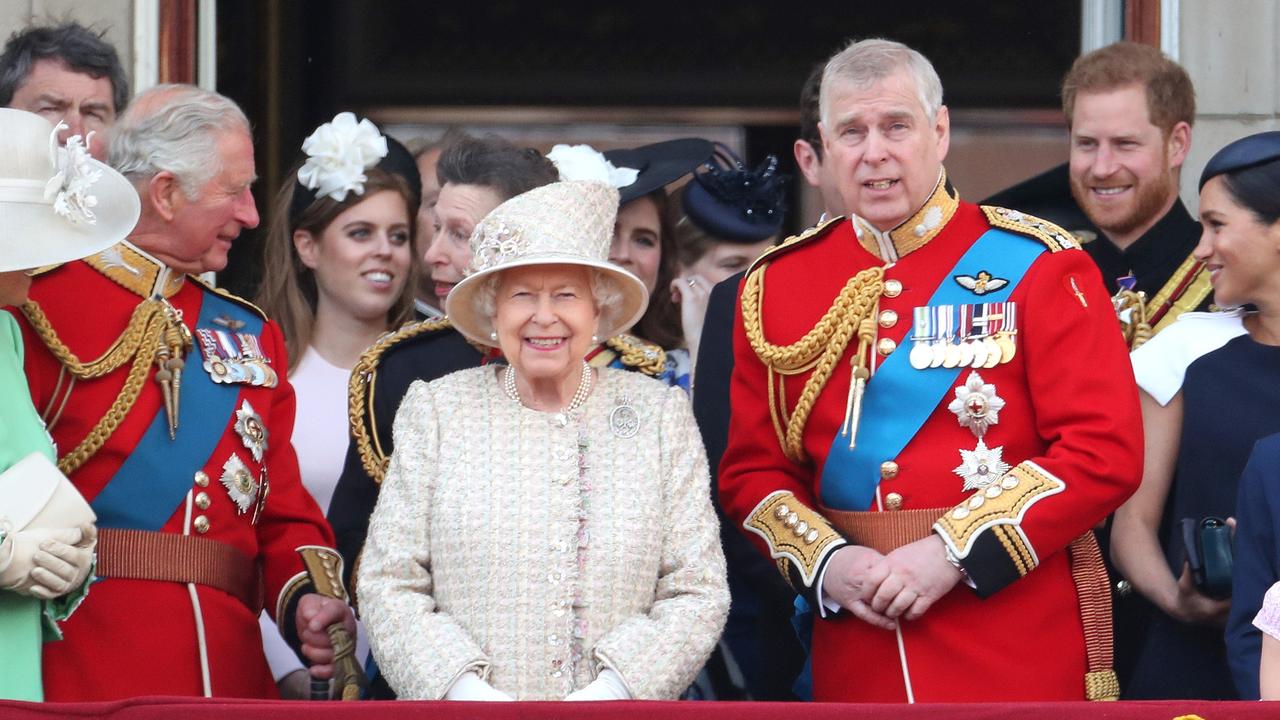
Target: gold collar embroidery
(136,271)
(917,230)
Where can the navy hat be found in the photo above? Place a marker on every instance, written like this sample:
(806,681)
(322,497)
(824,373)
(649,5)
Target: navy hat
(731,203)
(1244,153)
(398,161)
(659,164)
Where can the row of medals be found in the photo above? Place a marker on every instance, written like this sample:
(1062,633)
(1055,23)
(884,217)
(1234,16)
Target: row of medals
(975,352)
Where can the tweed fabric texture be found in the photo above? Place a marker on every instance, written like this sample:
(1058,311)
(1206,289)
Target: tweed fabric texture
(539,548)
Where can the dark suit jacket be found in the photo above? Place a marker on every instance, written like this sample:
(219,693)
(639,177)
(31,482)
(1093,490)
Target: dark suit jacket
(1256,563)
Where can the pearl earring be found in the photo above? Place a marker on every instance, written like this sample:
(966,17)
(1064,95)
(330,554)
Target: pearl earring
(493,336)
(595,339)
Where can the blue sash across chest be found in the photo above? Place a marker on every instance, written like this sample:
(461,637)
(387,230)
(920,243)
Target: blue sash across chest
(152,482)
(899,399)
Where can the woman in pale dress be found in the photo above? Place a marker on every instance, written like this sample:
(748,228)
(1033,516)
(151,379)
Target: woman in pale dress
(338,274)
(545,529)
(44,570)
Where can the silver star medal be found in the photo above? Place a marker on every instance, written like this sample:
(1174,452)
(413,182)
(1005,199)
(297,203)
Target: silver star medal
(251,430)
(976,405)
(239,483)
(981,466)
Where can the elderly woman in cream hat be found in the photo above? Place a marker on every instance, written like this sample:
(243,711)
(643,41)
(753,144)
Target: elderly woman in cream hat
(545,530)
(56,204)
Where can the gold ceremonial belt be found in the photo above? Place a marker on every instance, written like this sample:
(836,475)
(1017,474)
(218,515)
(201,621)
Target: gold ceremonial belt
(884,531)
(146,555)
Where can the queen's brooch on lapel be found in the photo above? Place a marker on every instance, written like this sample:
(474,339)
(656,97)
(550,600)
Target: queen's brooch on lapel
(624,420)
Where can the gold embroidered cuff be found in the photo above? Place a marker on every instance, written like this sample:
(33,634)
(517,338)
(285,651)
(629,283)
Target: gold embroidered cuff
(794,532)
(1000,506)
(296,584)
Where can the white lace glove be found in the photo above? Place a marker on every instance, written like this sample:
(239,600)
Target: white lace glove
(607,686)
(469,686)
(46,564)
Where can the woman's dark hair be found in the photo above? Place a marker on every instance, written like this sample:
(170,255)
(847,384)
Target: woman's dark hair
(660,323)
(1257,188)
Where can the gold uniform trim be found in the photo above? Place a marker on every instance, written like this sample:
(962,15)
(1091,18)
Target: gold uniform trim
(295,585)
(791,242)
(1000,507)
(1190,298)
(793,532)
(1053,237)
(916,231)
(644,356)
(140,274)
(229,296)
(360,389)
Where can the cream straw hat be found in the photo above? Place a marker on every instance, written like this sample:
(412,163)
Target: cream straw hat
(564,223)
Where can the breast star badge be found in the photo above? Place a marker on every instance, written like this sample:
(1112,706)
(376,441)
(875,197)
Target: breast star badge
(981,466)
(251,430)
(239,483)
(976,405)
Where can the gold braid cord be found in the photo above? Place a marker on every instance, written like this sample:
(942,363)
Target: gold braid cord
(819,349)
(634,352)
(360,395)
(139,342)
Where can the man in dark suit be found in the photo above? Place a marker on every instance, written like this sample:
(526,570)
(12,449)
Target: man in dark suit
(759,631)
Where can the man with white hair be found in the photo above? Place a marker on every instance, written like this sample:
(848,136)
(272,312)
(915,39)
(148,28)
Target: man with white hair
(931,409)
(169,404)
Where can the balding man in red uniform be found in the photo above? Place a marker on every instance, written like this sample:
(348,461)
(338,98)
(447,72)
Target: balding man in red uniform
(931,409)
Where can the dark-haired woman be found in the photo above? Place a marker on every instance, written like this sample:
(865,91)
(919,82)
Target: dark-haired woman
(339,273)
(1201,426)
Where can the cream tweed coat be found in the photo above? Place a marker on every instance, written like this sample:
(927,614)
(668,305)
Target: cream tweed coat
(539,548)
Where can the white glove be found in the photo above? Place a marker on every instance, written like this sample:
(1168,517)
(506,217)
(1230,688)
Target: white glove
(46,564)
(607,686)
(469,686)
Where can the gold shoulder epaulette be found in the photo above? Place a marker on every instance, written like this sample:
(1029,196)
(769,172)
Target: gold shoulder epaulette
(1054,237)
(792,242)
(44,269)
(644,356)
(364,425)
(229,296)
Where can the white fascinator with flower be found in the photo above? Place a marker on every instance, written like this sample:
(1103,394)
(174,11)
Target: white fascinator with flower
(57,203)
(583,162)
(338,153)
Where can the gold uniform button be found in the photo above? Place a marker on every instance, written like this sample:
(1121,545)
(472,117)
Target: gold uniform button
(893,501)
(202,501)
(892,288)
(202,524)
(888,318)
(886,346)
(202,479)
(888,470)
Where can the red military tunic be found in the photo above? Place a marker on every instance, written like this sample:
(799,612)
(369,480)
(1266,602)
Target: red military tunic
(146,636)
(1070,408)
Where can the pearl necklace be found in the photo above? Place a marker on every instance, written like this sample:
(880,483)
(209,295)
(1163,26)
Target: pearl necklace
(579,396)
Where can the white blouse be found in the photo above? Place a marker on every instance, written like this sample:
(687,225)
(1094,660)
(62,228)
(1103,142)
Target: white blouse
(1161,363)
(540,548)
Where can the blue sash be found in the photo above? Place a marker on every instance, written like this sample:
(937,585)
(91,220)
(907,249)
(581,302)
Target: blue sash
(899,398)
(151,483)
